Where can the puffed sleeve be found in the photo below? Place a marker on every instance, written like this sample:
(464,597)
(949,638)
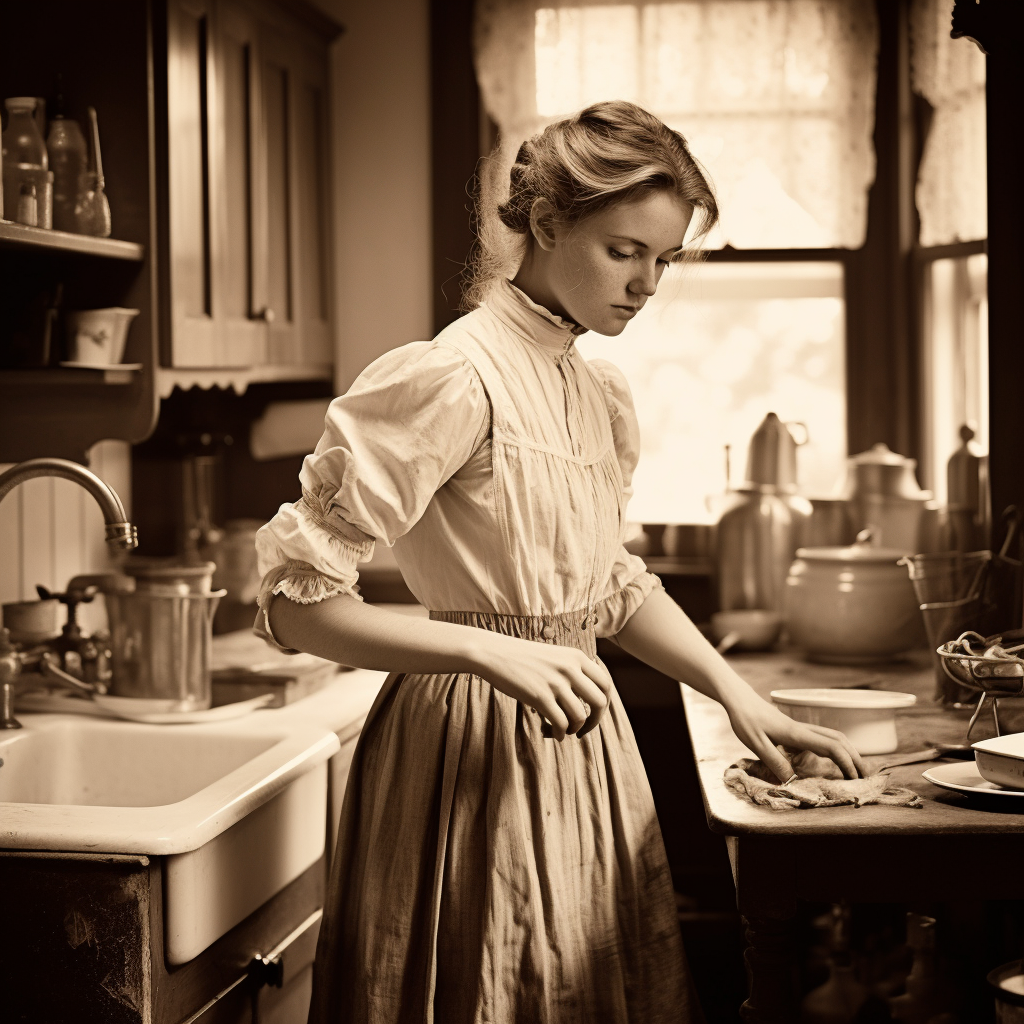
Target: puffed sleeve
(411,420)
(629,583)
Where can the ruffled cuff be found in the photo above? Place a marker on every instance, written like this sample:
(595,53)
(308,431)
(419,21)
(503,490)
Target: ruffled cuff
(615,610)
(299,582)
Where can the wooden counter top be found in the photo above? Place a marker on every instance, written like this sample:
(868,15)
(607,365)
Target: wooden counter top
(716,747)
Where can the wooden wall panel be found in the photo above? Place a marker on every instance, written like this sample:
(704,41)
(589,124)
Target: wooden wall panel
(51,530)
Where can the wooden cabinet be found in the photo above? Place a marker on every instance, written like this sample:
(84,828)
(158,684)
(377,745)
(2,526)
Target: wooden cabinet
(83,941)
(46,409)
(214,122)
(249,210)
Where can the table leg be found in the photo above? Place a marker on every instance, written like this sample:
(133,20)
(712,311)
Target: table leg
(771,970)
(765,898)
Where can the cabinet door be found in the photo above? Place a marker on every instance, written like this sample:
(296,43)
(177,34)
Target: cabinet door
(313,209)
(235,117)
(193,330)
(297,210)
(288,1002)
(235,1006)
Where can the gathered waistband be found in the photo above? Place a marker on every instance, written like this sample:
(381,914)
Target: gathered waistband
(570,629)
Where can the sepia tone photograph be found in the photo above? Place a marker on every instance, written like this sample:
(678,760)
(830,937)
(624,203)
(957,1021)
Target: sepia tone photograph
(511,512)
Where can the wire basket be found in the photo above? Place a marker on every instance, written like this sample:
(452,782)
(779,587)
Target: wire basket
(984,665)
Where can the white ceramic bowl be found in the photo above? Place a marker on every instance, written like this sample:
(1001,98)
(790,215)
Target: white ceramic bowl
(1001,760)
(866,717)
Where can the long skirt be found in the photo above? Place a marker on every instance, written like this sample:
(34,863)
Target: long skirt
(486,872)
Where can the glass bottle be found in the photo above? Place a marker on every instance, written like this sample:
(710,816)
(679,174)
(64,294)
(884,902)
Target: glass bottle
(24,152)
(68,155)
(842,996)
(930,995)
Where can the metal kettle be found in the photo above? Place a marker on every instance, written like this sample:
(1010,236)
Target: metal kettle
(759,533)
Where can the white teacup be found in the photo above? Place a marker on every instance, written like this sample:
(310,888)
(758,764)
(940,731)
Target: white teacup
(98,336)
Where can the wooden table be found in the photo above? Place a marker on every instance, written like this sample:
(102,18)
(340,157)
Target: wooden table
(866,854)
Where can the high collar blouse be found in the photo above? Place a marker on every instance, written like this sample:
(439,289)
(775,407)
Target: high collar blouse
(496,462)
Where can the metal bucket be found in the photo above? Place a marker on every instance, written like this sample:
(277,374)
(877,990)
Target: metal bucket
(161,636)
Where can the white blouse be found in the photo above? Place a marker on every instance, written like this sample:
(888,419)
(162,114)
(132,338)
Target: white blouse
(495,460)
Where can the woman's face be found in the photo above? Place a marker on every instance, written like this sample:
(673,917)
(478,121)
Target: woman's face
(602,270)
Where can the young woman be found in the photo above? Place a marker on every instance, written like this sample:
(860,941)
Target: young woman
(499,857)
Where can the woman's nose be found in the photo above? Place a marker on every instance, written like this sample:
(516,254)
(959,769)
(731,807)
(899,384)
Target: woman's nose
(645,282)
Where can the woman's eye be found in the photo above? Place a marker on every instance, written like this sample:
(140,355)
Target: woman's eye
(620,255)
(664,263)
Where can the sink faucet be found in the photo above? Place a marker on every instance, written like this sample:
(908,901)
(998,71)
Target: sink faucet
(119,531)
(120,534)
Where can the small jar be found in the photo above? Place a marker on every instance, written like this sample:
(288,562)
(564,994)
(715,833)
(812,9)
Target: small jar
(27,212)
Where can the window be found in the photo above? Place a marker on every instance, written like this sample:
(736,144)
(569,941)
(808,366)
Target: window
(956,360)
(776,100)
(717,347)
(949,76)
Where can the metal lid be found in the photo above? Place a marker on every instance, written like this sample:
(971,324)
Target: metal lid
(150,571)
(881,455)
(862,550)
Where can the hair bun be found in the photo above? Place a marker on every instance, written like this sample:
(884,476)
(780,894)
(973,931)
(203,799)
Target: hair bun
(515,211)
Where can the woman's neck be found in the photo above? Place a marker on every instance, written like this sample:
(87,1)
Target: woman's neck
(533,281)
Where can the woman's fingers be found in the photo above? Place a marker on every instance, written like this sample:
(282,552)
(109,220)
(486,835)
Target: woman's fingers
(573,709)
(598,674)
(557,721)
(842,751)
(771,756)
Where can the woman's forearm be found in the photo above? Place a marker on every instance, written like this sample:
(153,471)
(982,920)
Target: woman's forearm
(660,634)
(351,632)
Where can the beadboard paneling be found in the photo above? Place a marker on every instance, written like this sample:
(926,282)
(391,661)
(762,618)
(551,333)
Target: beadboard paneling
(51,530)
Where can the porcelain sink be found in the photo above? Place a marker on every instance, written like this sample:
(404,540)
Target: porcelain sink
(238,810)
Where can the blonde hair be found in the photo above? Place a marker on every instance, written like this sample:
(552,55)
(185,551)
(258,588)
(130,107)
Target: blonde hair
(609,153)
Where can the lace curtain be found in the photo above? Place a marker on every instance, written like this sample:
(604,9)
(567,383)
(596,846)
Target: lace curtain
(949,73)
(776,97)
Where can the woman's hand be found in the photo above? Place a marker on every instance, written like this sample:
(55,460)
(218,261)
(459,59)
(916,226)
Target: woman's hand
(763,728)
(554,681)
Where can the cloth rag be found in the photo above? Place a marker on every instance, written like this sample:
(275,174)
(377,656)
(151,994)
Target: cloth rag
(824,788)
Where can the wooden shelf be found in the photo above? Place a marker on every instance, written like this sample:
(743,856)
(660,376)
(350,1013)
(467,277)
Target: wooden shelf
(67,375)
(18,236)
(238,378)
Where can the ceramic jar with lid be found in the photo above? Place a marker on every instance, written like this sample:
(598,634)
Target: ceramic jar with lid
(851,605)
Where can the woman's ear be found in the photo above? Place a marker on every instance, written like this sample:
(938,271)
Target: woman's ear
(542,223)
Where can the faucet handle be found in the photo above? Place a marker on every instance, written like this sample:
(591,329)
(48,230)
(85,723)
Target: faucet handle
(6,647)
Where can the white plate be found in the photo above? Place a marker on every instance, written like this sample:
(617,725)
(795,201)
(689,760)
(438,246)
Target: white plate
(964,777)
(134,709)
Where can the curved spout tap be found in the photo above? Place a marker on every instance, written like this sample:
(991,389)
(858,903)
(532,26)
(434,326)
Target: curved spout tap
(119,532)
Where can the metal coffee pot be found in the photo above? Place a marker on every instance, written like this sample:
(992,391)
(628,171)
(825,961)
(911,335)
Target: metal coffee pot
(759,532)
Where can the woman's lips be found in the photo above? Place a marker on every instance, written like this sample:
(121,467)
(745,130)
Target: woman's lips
(628,310)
